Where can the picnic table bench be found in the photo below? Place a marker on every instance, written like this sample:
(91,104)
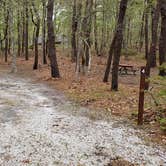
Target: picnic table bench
(125,69)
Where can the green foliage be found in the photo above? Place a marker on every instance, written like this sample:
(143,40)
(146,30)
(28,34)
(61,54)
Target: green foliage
(163,124)
(163,67)
(162,93)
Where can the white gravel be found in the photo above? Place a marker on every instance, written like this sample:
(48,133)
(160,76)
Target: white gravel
(36,130)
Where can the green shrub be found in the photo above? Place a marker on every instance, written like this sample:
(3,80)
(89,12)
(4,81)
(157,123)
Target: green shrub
(163,67)
(163,124)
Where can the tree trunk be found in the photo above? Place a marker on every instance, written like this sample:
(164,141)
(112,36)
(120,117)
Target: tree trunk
(151,56)
(162,44)
(103,30)
(86,28)
(95,29)
(1,43)
(128,32)
(6,35)
(79,41)
(155,21)
(37,25)
(146,30)
(109,61)
(35,65)
(74,30)
(44,33)
(115,47)
(141,41)
(18,34)
(9,39)
(26,29)
(13,50)
(23,31)
(51,40)
(118,44)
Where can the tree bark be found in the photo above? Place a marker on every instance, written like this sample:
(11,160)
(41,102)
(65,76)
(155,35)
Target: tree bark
(37,25)
(155,21)
(118,44)
(151,56)
(13,50)
(146,30)
(23,31)
(109,61)
(51,40)
(86,29)
(26,30)
(44,33)
(141,41)
(115,47)
(74,30)
(96,30)
(103,30)
(6,35)
(162,44)
(18,34)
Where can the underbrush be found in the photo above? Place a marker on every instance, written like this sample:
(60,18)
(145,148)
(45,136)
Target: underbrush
(159,97)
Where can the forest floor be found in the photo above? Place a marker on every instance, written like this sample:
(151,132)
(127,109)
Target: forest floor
(39,126)
(89,91)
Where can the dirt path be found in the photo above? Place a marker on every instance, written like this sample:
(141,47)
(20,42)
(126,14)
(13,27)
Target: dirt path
(38,127)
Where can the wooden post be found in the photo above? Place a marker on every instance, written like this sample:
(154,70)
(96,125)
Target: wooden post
(141,96)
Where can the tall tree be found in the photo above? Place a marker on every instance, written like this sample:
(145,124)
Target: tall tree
(86,30)
(151,56)
(146,28)
(44,32)
(23,30)
(51,40)
(118,44)
(141,35)
(13,50)
(115,47)
(26,29)
(162,45)
(96,29)
(18,33)
(155,22)
(6,34)
(37,30)
(74,31)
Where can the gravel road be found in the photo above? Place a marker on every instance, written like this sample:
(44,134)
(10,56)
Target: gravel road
(38,127)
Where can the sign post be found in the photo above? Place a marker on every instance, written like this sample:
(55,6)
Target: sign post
(141,96)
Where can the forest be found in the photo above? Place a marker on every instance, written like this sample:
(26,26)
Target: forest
(83,82)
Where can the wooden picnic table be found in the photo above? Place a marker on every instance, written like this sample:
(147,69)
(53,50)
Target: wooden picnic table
(125,69)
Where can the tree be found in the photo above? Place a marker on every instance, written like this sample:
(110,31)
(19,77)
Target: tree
(6,34)
(37,30)
(146,28)
(162,44)
(74,31)
(44,32)
(26,30)
(151,55)
(86,31)
(155,22)
(18,33)
(115,47)
(96,29)
(51,40)
(118,44)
